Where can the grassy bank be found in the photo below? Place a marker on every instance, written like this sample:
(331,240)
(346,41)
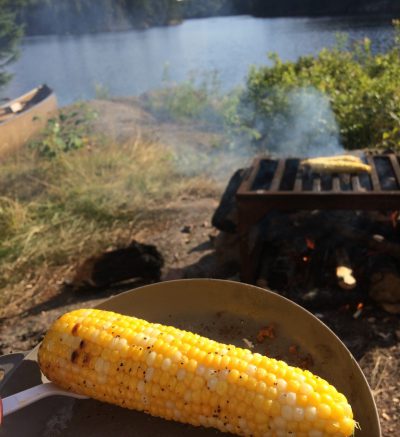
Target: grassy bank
(56,209)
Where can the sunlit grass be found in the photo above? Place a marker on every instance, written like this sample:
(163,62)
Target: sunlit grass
(54,211)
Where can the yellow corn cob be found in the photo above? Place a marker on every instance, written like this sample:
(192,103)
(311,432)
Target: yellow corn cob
(182,376)
(349,158)
(328,165)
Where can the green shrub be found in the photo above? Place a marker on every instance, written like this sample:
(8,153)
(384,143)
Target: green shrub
(197,99)
(65,132)
(362,88)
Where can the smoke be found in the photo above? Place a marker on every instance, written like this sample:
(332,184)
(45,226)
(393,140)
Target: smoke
(305,127)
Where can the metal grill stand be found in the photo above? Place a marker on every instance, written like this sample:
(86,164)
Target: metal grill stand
(285,185)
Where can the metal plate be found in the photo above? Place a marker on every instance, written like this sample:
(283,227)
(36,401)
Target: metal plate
(222,310)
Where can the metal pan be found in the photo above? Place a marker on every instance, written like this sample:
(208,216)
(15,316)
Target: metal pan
(222,310)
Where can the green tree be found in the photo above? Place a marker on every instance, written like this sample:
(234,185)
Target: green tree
(10,34)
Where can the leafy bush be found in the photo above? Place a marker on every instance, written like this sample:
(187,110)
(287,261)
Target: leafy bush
(362,88)
(196,99)
(64,133)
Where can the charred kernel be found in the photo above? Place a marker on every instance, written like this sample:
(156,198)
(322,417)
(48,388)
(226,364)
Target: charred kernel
(75,329)
(74,356)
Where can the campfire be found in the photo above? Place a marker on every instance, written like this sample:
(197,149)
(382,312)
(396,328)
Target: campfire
(311,234)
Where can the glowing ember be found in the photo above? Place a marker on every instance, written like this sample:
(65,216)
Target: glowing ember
(360,307)
(310,244)
(394,217)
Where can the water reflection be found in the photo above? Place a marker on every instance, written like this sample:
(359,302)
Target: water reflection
(132,62)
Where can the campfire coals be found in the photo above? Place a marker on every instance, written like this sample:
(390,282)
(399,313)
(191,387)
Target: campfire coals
(326,256)
(313,257)
(304,255)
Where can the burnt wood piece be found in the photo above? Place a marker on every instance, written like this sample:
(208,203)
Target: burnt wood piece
(225,216)
(135,261)
(384,283)
(257,197)
(380,245)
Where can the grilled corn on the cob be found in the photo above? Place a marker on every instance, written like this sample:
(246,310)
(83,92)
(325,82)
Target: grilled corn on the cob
(337,164)
(182,376)
(349,158)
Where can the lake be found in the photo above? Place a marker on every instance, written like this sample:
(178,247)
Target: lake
(133,62)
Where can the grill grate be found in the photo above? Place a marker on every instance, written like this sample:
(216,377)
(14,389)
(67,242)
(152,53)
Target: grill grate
(283,184)
(287,175)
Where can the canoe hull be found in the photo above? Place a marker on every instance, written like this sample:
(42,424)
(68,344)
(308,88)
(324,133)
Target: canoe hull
(17,129)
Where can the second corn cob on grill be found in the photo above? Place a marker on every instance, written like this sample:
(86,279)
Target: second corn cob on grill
(337,164)
(182,376)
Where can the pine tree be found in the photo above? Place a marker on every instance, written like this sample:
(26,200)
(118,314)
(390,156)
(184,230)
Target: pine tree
(10,35)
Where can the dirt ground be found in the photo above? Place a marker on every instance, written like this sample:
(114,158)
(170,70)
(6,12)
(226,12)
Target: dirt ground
(186,240)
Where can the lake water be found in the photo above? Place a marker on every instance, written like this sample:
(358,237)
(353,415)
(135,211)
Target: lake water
(130,63)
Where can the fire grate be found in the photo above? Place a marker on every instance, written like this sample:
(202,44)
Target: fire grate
(283,184)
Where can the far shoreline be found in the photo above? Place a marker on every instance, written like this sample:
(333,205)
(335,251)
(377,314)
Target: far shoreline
(174,23)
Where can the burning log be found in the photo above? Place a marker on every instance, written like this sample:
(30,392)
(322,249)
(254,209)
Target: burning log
(225,217)
(344,271)
(385,284)
(373,242)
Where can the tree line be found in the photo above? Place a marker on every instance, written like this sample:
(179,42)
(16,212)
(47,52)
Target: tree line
(10,34)
(82,16)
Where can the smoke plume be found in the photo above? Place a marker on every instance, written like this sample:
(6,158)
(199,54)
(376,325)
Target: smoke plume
(306,127)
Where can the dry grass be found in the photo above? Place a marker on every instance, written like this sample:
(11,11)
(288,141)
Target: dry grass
(381,365)
(382,368)
(54,211)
